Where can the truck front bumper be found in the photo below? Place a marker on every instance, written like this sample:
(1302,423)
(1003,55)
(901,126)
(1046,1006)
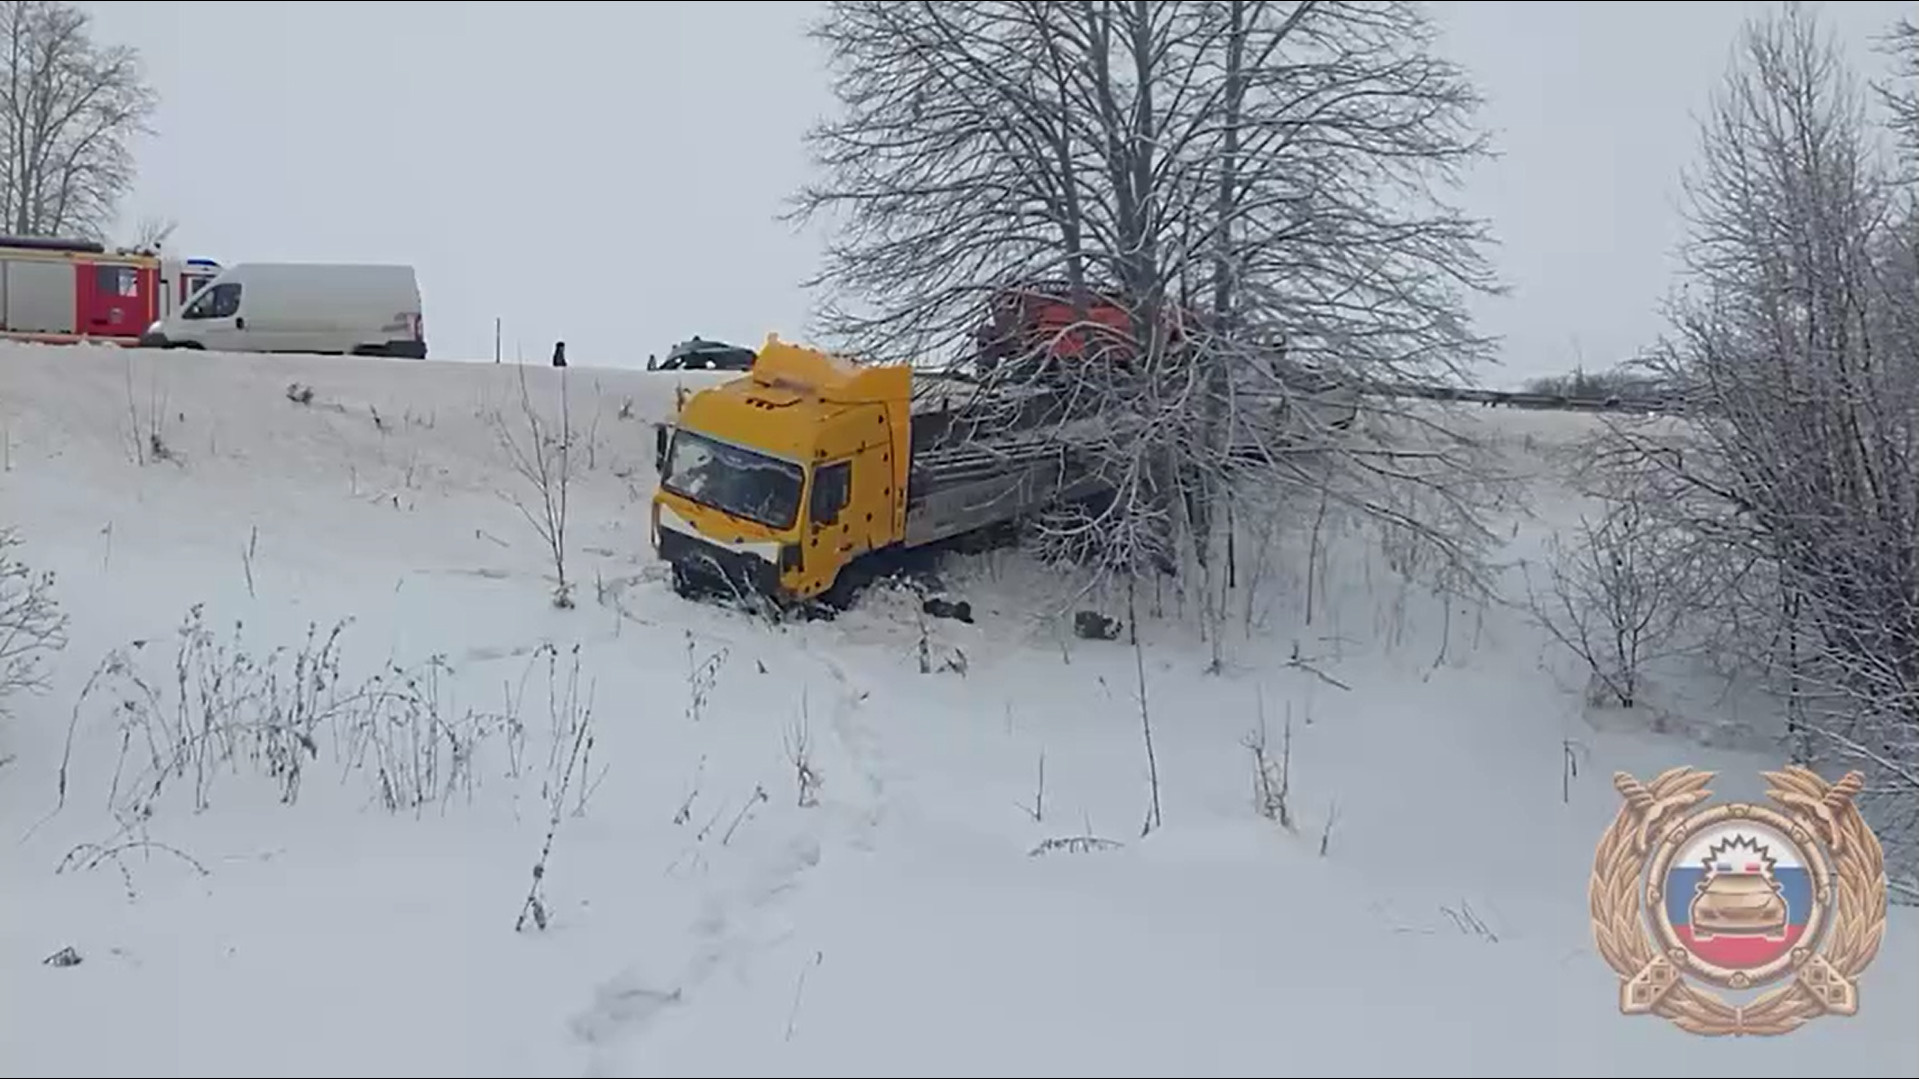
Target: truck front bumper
(707,568)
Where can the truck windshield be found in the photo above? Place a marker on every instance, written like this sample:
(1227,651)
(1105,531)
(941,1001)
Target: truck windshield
(733,480)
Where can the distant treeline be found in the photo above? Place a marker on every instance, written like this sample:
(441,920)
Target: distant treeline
(1617,382)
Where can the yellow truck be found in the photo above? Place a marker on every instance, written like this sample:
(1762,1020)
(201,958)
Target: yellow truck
(802,478)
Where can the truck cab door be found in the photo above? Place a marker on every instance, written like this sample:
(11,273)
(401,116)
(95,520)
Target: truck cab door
(119,303)
(214,319)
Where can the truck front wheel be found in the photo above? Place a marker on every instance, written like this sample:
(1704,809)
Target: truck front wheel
(844,591)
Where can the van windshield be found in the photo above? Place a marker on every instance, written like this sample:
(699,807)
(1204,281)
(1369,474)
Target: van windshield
(733,479)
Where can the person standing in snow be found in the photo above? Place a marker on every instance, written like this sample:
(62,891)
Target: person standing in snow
(559,353)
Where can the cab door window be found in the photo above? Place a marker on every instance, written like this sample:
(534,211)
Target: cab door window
(116,282)
(832,488)
(220,301)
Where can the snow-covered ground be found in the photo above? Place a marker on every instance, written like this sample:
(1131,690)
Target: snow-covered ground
(1426,914)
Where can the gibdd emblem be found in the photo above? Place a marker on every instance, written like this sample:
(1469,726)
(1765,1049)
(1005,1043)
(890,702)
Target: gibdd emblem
(1788,900)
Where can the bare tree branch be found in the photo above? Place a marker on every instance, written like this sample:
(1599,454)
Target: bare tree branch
(152,233)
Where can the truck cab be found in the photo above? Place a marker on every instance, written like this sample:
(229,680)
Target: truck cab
(773,483)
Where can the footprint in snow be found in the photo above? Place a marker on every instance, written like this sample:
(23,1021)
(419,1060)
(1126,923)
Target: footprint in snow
(620,1007)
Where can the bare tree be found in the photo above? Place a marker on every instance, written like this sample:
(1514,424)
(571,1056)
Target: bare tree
(1251,185)
(70,110)
(1796,339)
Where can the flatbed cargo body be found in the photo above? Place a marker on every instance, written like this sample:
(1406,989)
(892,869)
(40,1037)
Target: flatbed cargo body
(953,413)
(962,489)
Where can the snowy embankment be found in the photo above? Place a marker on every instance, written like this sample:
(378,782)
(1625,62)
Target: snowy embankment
(882,845)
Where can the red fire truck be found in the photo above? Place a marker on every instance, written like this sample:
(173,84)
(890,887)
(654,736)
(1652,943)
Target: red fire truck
(65,291)
(1038,322)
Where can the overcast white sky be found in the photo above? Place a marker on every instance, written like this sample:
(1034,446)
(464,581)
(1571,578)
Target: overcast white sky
(610,173)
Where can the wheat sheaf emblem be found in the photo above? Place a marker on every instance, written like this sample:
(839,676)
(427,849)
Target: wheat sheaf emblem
(1658,975)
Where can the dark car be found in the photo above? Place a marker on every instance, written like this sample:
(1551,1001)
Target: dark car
(698,355)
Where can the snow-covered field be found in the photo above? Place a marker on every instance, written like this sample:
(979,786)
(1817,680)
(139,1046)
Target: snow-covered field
(1426,914)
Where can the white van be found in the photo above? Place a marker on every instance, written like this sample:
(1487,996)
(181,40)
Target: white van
(300,307)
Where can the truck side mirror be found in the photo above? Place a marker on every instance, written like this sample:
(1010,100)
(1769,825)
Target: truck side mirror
(661,434)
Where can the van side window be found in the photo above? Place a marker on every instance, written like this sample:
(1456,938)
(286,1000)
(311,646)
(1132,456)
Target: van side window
(832,487)
(220,301)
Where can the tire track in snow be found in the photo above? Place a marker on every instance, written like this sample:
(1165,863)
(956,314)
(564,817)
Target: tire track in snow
(625,1006)
(862,748)
(736,922)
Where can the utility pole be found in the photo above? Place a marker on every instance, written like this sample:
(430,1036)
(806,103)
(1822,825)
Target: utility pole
(496,339)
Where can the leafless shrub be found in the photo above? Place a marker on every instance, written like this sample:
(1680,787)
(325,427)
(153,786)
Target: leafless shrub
(799,992)
(1618,594)
(218,710)
(1272,779)
(1074,844)
(247,554)
(1571,752)
(541,452)
(806,778)
(1469,923)
(571,716)
(1153,819)
(758,798)
(1037,810)
(403,731)
(684,812)
(702,677)
(32,625)
(131,841)
(146,428)
(1326,832)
